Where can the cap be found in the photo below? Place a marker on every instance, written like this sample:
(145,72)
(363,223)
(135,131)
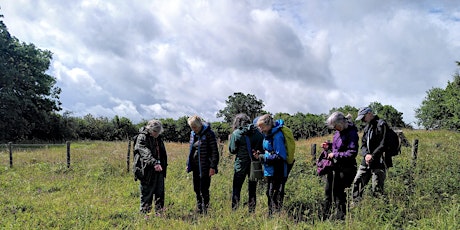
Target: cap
(362,112)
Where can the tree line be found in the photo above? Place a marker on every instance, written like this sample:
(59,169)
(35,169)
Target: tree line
(66,127)
(30,106)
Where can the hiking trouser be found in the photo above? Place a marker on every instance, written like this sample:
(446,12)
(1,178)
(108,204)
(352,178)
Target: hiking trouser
(336,182)
(153,187)
(275,191)
(238,180)
(362,178)
(201,187)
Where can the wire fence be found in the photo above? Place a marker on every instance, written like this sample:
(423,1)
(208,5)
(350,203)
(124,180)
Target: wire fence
(10,148)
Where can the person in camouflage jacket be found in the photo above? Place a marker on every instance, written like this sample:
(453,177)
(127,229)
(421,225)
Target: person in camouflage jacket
(150,149)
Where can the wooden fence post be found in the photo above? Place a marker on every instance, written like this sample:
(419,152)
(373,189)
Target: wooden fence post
(10,147)
(414,153)
(127,157)
(313,154)
(68,153)
(414,163)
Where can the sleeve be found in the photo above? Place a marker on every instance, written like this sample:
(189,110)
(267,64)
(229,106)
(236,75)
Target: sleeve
(364,149)
(381,135)
(214,154)
(164,157)
(349,146)
(279,146)
(142,148)
(233,144)
(258,143)
(190,152)
(164,154)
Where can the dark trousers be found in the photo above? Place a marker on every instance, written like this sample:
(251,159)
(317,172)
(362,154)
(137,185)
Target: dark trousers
(289,168)
(336,198)
(153,187)
(238,180)
(201,187)
(275,193)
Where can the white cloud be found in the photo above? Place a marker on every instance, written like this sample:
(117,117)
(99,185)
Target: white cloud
(158,59)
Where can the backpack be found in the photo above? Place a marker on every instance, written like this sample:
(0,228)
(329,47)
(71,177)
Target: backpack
(324,165)
(138,164)
(393,145)
(290,144)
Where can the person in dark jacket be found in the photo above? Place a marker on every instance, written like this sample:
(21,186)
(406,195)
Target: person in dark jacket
(202,160)
(274,161)
(238,146)
(151,149)
(372,149)
(344,150)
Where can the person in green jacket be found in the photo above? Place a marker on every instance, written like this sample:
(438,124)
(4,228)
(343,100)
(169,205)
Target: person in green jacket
(151,149)
(244,130)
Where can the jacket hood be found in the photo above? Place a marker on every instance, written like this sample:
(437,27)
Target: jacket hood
(277,127)
(204,128)
(248,129)
(143,130)
(375,119)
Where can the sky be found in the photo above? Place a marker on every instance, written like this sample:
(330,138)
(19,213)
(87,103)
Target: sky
(146,59)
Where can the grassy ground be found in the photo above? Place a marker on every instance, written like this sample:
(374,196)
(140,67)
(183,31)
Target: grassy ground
(97,192)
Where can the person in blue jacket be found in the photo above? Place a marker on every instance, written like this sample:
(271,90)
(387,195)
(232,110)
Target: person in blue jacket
(274,160)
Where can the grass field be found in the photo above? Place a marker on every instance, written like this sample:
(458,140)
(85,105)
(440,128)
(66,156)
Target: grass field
(97,192)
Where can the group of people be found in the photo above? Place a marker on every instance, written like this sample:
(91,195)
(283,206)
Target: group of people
(261,140)
(266,141)
(345,173)
(202,162)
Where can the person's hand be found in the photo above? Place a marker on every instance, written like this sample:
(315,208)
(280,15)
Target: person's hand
(256,153)
(325,145)
(212,172)
(158,168)
(368,158)
(330,155)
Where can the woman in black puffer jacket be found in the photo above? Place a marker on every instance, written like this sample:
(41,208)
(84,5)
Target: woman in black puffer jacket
(203,160)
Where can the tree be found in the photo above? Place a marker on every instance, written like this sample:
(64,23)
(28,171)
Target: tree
(388,113)
(441,109)
(240,103)
(169,127)
(347,109)
(221,129)
(123,128)
(183,130)
(28,96)
(304,126)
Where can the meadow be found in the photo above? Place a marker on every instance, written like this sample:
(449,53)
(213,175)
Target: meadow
(97,191)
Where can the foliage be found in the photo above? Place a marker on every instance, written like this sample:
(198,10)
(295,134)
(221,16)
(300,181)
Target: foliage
(28,96)
(182,130)
(304,126)
(347,109)
(440,108)
(97,192)
(240,103)
(66,127)
(388,113)
(170,127)
(221,129)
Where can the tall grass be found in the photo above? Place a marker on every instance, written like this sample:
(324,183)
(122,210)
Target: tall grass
(97,192)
